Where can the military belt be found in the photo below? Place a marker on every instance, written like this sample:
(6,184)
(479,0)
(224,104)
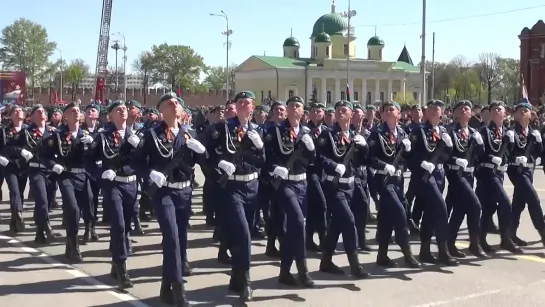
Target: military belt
(298,177)
(76,170)
(178,185)
(125,179)
(457,167)
(527,165)
(397,173)
(341,180)
(502,168)
(37,165)
(243,178)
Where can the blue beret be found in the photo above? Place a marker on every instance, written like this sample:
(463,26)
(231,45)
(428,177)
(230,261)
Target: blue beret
(436,103)
(115,104)
(344,103)
(69,106)
(295,99)
(463,103)
(523,105)
(391,103)
(36,107)
(166,97)
(244,95)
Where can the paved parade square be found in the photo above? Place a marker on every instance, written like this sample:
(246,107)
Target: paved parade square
(32,276)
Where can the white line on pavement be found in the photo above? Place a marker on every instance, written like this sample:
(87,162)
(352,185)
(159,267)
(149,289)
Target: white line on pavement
(127,298)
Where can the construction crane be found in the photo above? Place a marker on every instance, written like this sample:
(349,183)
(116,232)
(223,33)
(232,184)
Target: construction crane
(102,53)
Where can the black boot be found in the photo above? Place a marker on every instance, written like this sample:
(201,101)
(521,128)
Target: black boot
(410,261)
(178,295)
(165,294)
(187,269)
(362,242)
(234,282)
(17,223)
(72,249)
(356,270)
(138,230)
(518,241)
(40,237)
(475,246)
(285,277)
(223,257)
(90,234)
(246,293)
(454,251)
(425,255)
(382,257)
(542,235)
(444,256)
(327,265)
(302,274)
(271,250)
(484,244)
(49,234)
(122,277)
(508,244)
(309,244)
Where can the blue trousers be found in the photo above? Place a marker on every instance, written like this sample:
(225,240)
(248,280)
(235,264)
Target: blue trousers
(119,200)
(463,201)
(525,194)
(342,219)
(16,179)
(76,198)
(391,213)
(434,208)
(173,210)
(291,195)
(40,184)
(493,197)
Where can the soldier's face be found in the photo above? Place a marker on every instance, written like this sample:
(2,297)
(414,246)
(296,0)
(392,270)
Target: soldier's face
(38,115)
(390,114)
(245,107)
(343,114)
(416,114)
(119,114)
(230,111)
(56,117)
(523,115)
(497,114)
(279,112)
(357,116)
(434,113)
(295,110)
(316,114)
(152,116)
(17,114)
(134,111)
(169,107)
(463,113)
(91,113)
(72,115)
(370,114)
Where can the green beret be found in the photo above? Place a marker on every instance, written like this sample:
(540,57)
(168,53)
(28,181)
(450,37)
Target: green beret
(228,102)
(295,99)
(69,106)
(391,103)
(358,106)
(436,103)
(13,107)
(416,107)
(152,111)
(36,107)
(115,104)
(371,108)
(166,97)
(244,95)
(496,104)
(344,103)
(330,110)
(134,103)
(181,102)
(317,105)
(56,110)
(523,105)
(463,103)
(93,106)
(277,103)
(262,108)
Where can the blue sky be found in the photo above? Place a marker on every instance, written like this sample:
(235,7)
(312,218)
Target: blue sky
(261,26)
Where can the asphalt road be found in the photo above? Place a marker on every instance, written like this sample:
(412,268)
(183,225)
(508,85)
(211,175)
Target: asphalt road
(39,277)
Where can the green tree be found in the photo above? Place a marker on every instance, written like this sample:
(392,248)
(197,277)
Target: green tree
(142,66)
(216,78)
(488,68)
(25,46)
(176,65)
(74,75)
(509,75)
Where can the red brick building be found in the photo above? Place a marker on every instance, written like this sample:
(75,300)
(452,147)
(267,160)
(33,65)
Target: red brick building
(532,61)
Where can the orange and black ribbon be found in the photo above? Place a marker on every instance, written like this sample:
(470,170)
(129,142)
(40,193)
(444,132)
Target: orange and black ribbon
(117,138)
(68,137)
(463,135)
(316,132)
(498,133)
(435,136)
(37,133)
(293,135)
(392,139)
(240,133)
(524,134)
(344,139)
(168,134)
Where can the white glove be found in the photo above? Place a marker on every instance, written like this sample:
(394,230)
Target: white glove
(511,135)
(537,135)
(309,143)
(228,167)
(521,160)
(281,172)
(3,161)
(195,145)
(58,168)
(158,178)
(478,138)
(390,169)
(255,138)
(108,175)
(497,160)
(446,138)
(359,140)
(340,169)
(86,139)
(26,154)
(462,163)
(134,140)
(429,167)
(406,144)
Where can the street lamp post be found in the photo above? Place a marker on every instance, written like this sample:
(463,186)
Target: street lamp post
(62,85)
(124,64)
(348,14)
(228,32)
(423,60)
(116,47)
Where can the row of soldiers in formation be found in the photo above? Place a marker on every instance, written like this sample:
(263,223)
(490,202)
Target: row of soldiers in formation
(279,168)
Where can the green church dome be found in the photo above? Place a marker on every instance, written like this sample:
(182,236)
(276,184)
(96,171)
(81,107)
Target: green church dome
(375,41)
(291,42)
(331,23)
(322,38)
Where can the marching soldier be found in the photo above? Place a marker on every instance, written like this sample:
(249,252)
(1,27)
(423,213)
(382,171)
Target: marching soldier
(14,160)
(116,148)
(340,151)
(39,176)
(236,151)
(498,143)
(290,149)
(172,152)
(316,202)
(65,155)
(415,124)
(369,123)
(432,146)
(521,172)
(461,199)
(91,125)
(388,146)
